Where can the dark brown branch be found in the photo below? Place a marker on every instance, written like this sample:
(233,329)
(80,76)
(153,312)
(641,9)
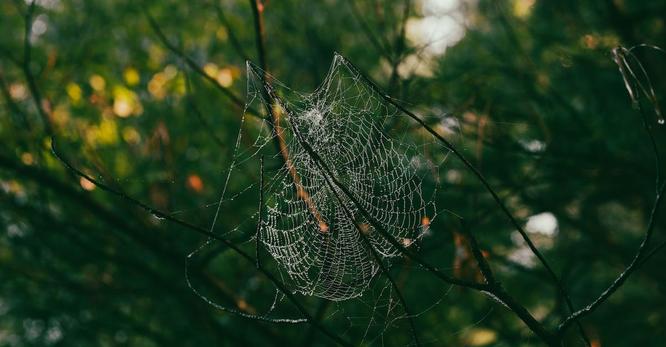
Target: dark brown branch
(481,261)
(400,47)
(497,290)
(275,117)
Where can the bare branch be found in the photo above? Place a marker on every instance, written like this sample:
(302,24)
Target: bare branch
(635,88)
(165,216)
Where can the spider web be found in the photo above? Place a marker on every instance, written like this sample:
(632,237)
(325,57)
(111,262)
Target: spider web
(310,227)
(320,237)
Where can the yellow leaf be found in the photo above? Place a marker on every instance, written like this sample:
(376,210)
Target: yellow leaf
(481,337)
(97,82)
(131,76)
(74,92)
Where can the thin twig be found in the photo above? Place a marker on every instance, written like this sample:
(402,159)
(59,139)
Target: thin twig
(257,15)
(193,106)
(374,41)
(400,46)
(497,290)
(633,266)
(654,251)
(230,32)
(27,70)
(481,261)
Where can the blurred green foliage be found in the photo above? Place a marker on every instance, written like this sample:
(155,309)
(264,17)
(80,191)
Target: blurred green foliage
(532,95)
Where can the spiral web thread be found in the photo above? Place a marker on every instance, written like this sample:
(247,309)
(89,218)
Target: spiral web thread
(305,227)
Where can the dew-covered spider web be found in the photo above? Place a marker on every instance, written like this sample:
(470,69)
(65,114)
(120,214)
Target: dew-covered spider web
(310,226)
(332,169)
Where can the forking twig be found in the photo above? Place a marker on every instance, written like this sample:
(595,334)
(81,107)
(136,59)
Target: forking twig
(637,261)
(634,88)
(633,266)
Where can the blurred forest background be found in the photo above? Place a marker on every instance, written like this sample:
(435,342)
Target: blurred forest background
(529,87)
